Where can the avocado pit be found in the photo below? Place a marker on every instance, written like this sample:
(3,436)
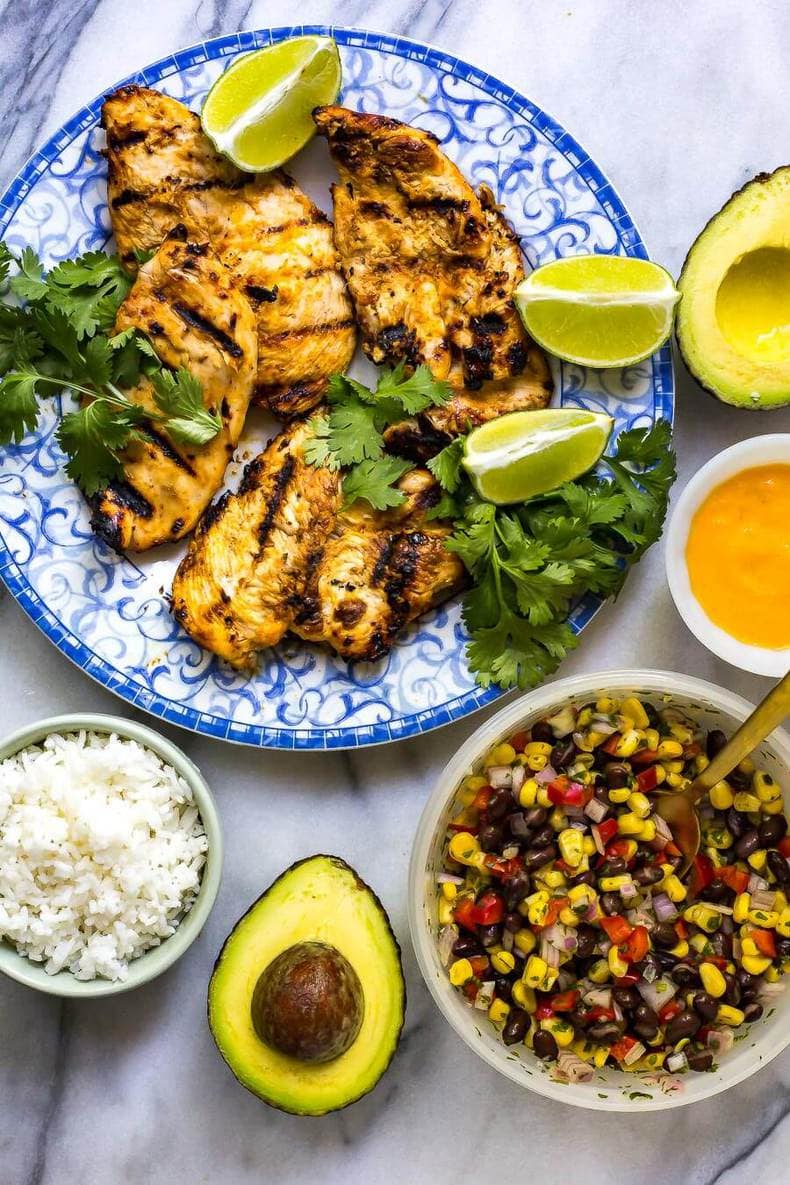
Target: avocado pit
(308,1003)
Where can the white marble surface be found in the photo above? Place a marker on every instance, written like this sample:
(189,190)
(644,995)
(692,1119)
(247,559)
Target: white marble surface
(679,103)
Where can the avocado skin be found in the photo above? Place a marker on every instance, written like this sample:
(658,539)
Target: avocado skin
(700,379)
(341,864)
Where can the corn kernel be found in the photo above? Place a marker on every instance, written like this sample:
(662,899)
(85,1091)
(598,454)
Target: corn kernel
(746,803)
(629,824)
(669,749)
(780,901)
(701,763)
(740,907)
(449,891)
(758,859)
(613,884)
(599,972)
(557,819)
(773,974)
(617,964)
(445,912)
(765,918)
(755,964)
(678,781)
(463,846)
(503,962)
(648,832)
(661,774)
(605,705)
(719,837)
(773,808)
(639,804)
(674,767)
(478,860)
(561,1031)
(727,1015)
(461,972)
(680,949)
(503,754)
(682,733)
(554,879)
(476,782)
(524,941)
(621,794)
(721,796)
(524,996)
(652,739)
(537,761)
(700,943)
(582,897)
(537,906)
(543,798)
(528,793)
(498,1012)
(674,888)
(749,946)
(628,743)
(713,981)
(568,917)
(746,766)
(570,845)
(783,925)
(707,919)
(588,845)
(633,709)
(765,787)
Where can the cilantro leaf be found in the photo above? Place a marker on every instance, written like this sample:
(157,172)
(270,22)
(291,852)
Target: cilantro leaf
(414,393)
(7,258)
(29,284)
(446,465)
(18,405)
(373,481)
(93,436)
(179,395)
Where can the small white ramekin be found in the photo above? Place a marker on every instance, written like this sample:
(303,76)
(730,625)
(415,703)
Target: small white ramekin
(748,454)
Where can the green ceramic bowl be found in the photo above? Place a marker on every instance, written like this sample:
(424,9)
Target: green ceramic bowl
(158,958)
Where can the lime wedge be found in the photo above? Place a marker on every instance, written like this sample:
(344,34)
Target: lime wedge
(528,453)
(259,112)
(598,310)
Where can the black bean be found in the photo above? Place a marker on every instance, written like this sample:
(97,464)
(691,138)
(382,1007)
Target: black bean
(503,988)
(516,1026)
(645,1015)
(771,830)
(653,718)
(537,857)
(649,875)
(513,921)
(535,817)
(606,1032)
(614,866)
(586,939)
(666,961)
(649,961)
(663,934)
(684,974)
(489,935)
(617,775)
(611,902)
(736,822)
(752,1011)
(563,754)
(783,948)
(466,945)
(645,1031)
(739,780)
(490,837)
(747,982)
(717,892)
(700,1061)
(499,803)
(542,837)
(778,866)
(721,944)
(628,998)
(582,878)
(544,1046)
(517,888)
(733,993)
(685,1024)
(601,794)
(579,1017)
(714,742)
(542,732)
(748,843)
(705,1005)
(517,825)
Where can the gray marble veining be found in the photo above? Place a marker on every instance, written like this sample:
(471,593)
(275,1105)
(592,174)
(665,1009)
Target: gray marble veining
(679,103)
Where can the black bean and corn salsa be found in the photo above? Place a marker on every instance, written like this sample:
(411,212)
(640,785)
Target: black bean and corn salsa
(561,912)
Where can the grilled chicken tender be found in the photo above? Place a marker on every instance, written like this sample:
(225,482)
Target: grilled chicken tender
(379,571)
(431,266)
(244,576)
(187,303)
(163,170)
(281,555)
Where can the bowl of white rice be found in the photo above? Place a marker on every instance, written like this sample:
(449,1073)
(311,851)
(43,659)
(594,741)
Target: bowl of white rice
(110,855)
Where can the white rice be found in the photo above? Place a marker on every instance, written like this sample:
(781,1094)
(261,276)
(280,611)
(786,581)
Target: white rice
(101,852)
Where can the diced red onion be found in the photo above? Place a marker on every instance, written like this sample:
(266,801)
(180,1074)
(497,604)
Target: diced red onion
(597,839)
(579,740)
(756,883)
(677,1062)
(617,1010)
(447,939)
(485,995)
(595,810)
(602,725)
(763,899)
(563,722)
(706,812)
(604,946)
(634,1053)
(549,953)
(599,997)
(737,949)
(565,979)
(770,991)
(664,908)
(628,891)
(650,973)
(556,935)
(518,778)
(663,834)
(571,1068)
(545,775)
(577,818)
(720,1041)
(448,878)
(510,852)
(500,776)
(656,994)
(723,909)
(507,939)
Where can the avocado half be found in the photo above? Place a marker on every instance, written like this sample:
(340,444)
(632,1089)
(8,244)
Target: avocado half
(733,320)
(315,969)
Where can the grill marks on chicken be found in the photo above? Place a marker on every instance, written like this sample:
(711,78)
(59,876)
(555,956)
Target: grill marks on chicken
(431,266)
(282,555)
(186,301)
(164,171)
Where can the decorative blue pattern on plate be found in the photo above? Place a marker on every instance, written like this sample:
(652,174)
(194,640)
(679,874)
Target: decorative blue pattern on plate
(107,613)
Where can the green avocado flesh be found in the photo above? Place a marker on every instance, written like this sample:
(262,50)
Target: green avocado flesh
(733,323)
(307,999)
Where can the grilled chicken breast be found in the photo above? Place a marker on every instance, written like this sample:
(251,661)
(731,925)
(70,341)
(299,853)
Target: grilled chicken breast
(281,555)
(431,267)
(378,572)
(187,303)
(163,171)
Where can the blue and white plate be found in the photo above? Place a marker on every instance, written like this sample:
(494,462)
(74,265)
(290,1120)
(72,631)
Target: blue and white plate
(108,613)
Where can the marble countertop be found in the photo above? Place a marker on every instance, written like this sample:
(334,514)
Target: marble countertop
(679,103)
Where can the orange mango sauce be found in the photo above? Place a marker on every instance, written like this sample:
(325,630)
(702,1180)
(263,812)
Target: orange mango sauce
(738,556)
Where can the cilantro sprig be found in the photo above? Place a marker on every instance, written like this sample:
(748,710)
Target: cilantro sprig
(529,564)
(56,334)
(351,435)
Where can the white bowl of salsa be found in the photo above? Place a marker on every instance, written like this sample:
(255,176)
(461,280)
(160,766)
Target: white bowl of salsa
(728,555)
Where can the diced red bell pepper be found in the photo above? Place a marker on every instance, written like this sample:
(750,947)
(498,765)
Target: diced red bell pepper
(465,913)
(479,964)
(490,909)
(617,929)
(700,875)
(681,929)
(627,980)
(644,757)
(554,909)
(717,960)
(470,989)
(621,1048)
(619,848)
(701,1035)
(610,746)
(464,823)
(598,1012)
(692,749)
(734,878)
(669,1010)
(519,741)
(544,1012)
(607,830)
(563,792)
(503,869)
(481,799)
(784,847)
(672,849)
(764,941)
(565,1001)
(647,780)
(636,945)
